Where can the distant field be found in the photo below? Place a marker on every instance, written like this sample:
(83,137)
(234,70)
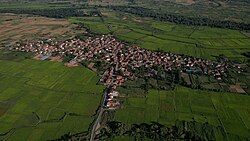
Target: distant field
(42,100)
(22,27)
(231,111)
(234,10)
(203,42)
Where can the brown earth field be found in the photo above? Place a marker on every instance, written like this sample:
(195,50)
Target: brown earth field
(17,27)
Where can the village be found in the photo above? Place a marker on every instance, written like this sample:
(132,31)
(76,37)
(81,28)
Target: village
(122,60)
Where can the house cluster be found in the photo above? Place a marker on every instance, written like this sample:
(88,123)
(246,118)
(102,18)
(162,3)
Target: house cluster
(111,101)
(123,59)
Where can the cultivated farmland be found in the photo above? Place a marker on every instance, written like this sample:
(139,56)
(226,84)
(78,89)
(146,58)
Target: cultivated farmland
(14,28)
(166,107)
(42,100)
(205,42)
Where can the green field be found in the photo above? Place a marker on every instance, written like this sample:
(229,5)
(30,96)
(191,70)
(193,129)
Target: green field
(41,100)
(230,111)
(203,42)
(235,10)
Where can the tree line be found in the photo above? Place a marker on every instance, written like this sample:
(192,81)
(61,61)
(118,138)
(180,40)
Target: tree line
(182,130)
(179,19)
(54,12)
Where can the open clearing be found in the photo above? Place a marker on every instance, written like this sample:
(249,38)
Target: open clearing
(42,100)
(231,111)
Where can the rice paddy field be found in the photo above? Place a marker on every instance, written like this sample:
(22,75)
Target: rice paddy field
(235,10)
(43,100)
(230,111)
(205,42)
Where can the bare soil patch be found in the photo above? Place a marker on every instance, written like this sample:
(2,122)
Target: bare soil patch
(56,59)
(71,64)
(2,111)
(138,20)
(236,89)
(38,57)
(91,66)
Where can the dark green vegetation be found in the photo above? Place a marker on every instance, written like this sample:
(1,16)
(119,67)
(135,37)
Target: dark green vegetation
(221,112)
(52,10)
(42,100)
(182,130)
(53,13)
(143,12)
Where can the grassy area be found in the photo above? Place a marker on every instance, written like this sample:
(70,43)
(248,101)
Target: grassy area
(43,100)
(203,42)
(230,111)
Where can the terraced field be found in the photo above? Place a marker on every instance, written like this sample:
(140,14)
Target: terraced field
(230,111)
(42,100)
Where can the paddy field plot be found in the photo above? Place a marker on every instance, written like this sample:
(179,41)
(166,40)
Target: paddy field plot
(230,111)
(198,41)
(42,100)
